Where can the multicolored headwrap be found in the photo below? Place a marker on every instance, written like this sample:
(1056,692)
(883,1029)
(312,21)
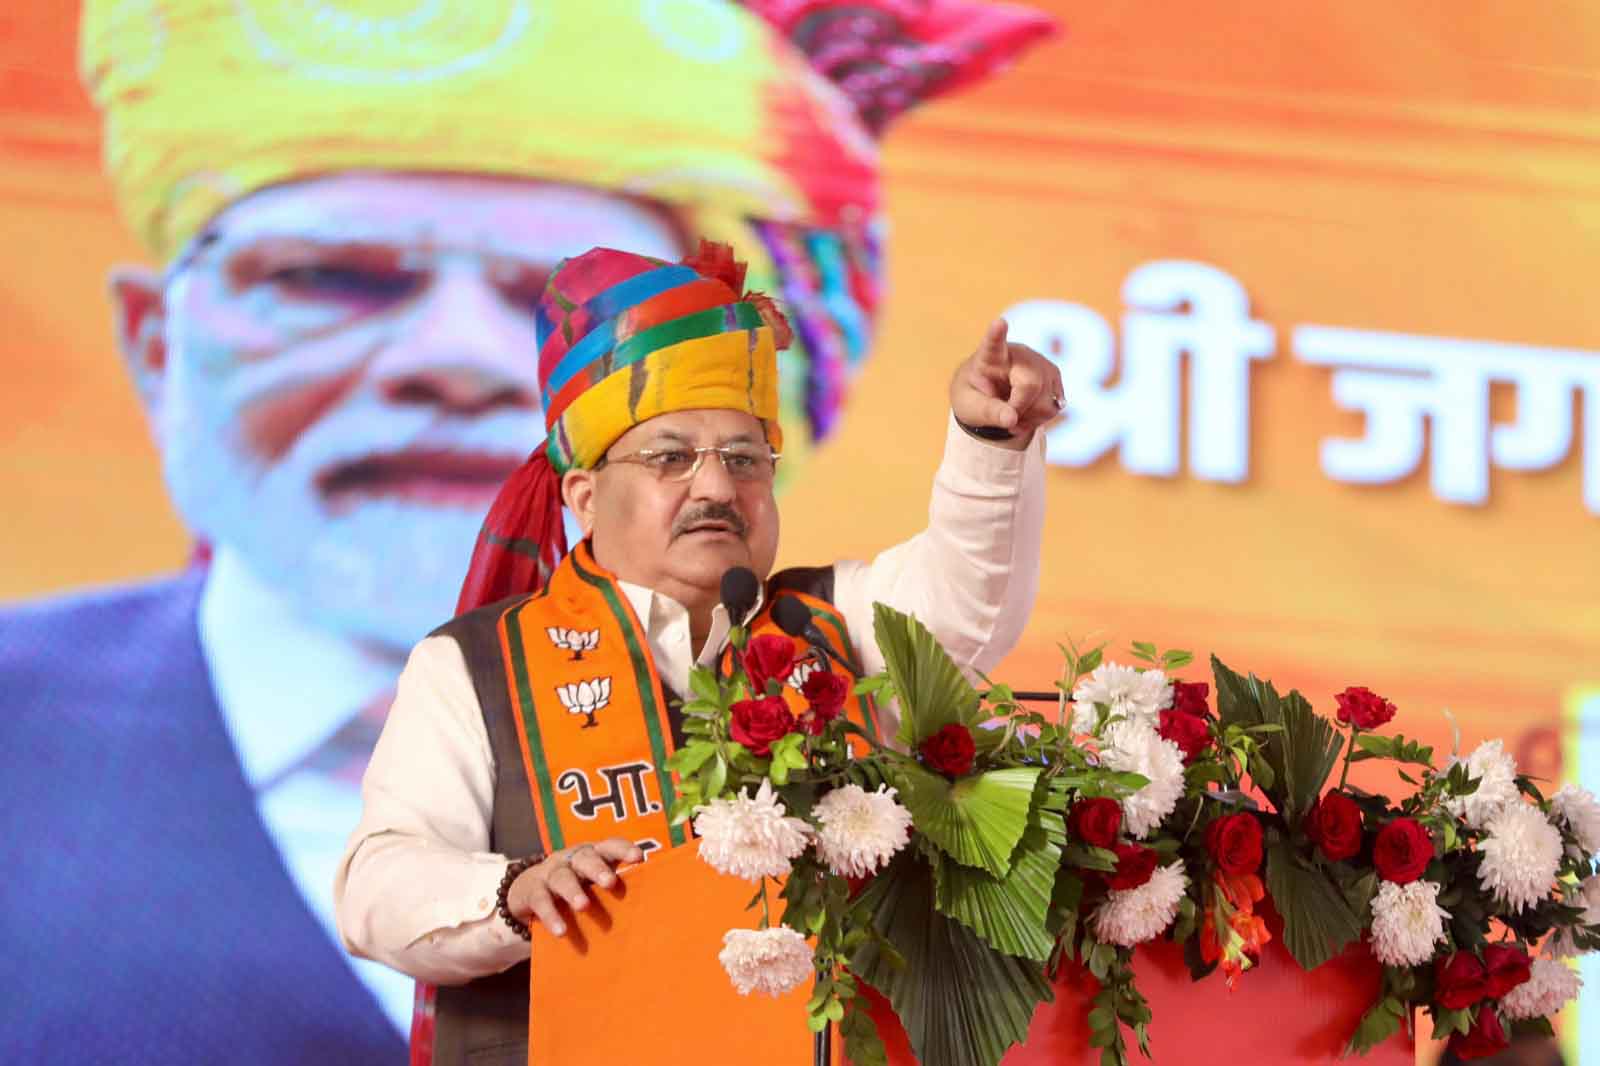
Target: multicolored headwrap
(756,123)
(624,338)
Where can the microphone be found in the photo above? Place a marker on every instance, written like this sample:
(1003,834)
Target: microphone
(739,591)
(794,618)
(740,588)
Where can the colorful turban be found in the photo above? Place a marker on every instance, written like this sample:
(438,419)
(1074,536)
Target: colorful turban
(624,338)
(755,123)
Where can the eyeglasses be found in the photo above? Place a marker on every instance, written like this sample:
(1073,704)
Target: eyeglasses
(743,462)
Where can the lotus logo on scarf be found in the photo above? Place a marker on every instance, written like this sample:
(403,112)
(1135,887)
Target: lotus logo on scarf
(576,641)
(585,697)
(802,672)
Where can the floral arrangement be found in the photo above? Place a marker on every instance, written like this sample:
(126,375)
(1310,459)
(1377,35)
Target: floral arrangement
(999,842)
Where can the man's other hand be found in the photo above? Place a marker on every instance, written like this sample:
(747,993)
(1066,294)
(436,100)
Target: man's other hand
(562,876)
(1007,386)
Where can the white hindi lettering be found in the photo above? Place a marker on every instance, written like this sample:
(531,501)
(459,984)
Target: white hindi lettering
(1405,384)
(1420,395)
(1175,308)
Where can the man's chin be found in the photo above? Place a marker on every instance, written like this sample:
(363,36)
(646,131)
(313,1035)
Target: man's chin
(384,574)
(710,555)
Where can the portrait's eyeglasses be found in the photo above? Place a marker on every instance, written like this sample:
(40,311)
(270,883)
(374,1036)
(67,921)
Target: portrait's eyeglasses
(743,462)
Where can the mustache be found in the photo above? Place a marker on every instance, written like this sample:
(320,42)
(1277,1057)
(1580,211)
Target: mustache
(364,434)
(710,512)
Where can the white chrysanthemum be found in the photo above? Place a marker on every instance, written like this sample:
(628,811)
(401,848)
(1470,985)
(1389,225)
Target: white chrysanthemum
(1132,746)
(1521,852)
(1581,811)
(1407,922)
(1135,915)
(1550,986)
(1586,896)
(1127,690)
(750,837)
(1497,784)
(774,961)
(861,830)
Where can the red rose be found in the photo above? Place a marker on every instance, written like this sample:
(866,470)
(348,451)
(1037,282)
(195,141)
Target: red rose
(949,751)
(1234,841)
(1096,822)
(1486,1037)
(1402,851)
(757,723)
(1189,697)
(1459,980)
(1334,825)
(1508,966)
(769,657)
(1135,864)
(1190,732)
(826,692)
(1363,708)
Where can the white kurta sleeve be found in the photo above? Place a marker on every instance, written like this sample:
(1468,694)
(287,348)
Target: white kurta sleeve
(416,887)
(972,575)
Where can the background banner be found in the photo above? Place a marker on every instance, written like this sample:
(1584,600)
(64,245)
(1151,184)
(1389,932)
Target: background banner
(1318,281)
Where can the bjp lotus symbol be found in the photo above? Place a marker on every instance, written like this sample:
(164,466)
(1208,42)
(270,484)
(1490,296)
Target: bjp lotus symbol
(577,641)
(585,698)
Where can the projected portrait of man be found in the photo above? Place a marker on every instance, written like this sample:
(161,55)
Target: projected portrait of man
(353,209)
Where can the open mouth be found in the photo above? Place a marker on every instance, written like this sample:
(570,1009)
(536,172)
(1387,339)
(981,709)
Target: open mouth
(435,478)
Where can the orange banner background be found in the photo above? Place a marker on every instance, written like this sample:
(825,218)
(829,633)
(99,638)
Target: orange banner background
(1430,172)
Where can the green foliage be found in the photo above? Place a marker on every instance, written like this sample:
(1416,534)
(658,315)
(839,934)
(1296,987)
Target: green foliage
(862,1044)
(1397,748)
(1300,754)
(786,756)
(961,1002)
(1449,1022)
(933,692)
(1381,1022)
(1011,913)
(1087,857)
(1118,1003)
(976,820)
(1318,921)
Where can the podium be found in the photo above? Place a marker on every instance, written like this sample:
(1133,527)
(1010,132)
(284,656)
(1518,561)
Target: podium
(1275,1014)
(637,980)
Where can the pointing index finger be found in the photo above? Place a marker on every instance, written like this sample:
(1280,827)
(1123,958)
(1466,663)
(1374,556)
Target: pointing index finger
(993,353)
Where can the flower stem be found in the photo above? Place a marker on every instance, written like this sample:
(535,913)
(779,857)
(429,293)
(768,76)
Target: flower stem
(766,914)
(1349,750)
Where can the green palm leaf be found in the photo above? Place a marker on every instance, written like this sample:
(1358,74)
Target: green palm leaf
(931,689)
(1302,754)
(962,1003)
(977,820)
(1011,912)
(1318,921)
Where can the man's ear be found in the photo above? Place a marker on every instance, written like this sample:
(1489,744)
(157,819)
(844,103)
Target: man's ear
(141,318)
(577,492)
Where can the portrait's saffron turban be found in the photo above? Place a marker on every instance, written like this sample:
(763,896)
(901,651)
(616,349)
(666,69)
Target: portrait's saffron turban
(755,123)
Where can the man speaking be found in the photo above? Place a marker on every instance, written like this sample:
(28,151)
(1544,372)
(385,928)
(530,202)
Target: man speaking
(660,390)
(351,210)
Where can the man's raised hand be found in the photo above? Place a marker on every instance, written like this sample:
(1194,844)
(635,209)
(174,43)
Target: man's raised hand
(1006,386)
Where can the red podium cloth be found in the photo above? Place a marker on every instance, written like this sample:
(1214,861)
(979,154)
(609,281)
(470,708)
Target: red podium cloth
(638,981)
(1277,1014)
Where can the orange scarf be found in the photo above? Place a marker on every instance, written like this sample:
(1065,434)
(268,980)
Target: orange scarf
(592,714)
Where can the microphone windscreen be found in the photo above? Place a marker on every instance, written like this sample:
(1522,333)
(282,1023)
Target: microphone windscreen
(739,591)
(792,616)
